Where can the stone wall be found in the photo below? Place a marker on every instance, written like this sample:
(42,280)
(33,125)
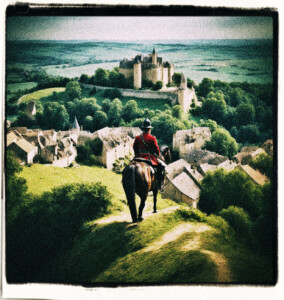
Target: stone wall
(64,162)
(126,72)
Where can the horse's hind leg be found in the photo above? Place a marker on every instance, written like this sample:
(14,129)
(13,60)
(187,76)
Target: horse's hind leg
(141,207)
(133,211)
(155,192)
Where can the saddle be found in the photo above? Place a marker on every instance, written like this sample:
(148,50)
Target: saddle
(146,161)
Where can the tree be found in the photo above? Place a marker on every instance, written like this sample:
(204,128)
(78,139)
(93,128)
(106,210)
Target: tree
(222,142)
(177,78)
(177,112)
(114,113)
(88,123)
(100,120)
(73,89)
(264,164)
(101,77)
(86,107)
(106,105)
(55,116)
(214,107)
(245,114)
(84,78)
(205,87)
(16,188)
(209,123)
(130,111)
(222,189)
(249,134)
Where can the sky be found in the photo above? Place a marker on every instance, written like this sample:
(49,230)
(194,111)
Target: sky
(138,28)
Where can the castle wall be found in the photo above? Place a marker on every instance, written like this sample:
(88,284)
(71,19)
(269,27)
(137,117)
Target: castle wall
(137,76)
(126,72)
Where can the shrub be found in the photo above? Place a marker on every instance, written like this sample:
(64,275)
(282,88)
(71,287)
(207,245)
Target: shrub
(158,85)
(222,142)
(264,164)
(239,220)
(222,189)
(48,226)
(112,93)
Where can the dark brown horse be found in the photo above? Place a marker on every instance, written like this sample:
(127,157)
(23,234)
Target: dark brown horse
(138,177)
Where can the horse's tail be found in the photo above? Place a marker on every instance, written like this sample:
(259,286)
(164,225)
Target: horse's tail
(128,182)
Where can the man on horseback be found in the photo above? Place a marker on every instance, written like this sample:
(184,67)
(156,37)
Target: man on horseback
(146,147)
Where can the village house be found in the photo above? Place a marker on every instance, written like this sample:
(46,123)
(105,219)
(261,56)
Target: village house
(186,140)
(24,151)
(247,154)
(115,143)
(197,157)
(182,183)
(268,147)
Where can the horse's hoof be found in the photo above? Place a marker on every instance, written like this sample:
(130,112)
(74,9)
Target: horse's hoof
(154,212)
(134,221)
(140,219)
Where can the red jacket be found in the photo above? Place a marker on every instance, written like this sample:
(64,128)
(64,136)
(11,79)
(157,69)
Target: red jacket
(140,149)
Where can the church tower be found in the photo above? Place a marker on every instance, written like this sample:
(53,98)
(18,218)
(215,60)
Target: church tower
(75,125)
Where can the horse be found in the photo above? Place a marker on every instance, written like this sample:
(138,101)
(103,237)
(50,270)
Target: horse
(138,177)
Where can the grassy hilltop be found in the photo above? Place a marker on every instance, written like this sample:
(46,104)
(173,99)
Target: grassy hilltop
(177,245)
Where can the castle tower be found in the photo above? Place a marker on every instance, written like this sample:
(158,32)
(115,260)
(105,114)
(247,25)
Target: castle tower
(154,57)
(137,74)
(184,94)
(171,73)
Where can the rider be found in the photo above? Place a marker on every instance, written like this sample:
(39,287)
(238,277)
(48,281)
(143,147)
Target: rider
(146,147)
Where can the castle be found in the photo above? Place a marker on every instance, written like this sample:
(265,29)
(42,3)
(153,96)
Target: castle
(150,68)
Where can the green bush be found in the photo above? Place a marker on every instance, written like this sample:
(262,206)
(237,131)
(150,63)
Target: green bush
(239,220)
(222,189)
(112,93)
(264,164)
(47,227)
(158,85)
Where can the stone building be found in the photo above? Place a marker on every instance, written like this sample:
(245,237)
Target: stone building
(150,68)
(195,138)
(24,151)
(115,143)
(247,154)
(182,183)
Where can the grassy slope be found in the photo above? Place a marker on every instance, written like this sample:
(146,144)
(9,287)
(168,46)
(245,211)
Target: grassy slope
(114,250)
(142,103)
(37,95)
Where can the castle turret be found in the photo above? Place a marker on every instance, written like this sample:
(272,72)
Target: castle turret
(137,74)
(184,94)
(154,57)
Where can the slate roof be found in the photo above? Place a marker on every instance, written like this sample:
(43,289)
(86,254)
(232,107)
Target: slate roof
(112,137)
(228,165)
(186,185)
(176,168)
(11,137)
(196,156)
(255,175)
(75,124)
(25,145)
(204,168)
(194,174)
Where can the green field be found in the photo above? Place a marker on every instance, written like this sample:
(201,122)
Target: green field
(38,95)
(15,87)
(151,104)
(42,178)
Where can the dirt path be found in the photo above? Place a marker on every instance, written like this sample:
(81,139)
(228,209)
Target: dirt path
(125,216)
